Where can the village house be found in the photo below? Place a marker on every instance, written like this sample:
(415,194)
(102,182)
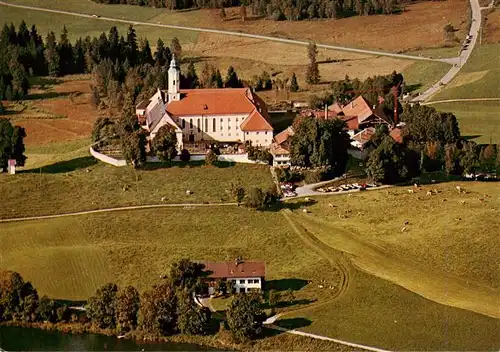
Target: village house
(201,117)
(246,276)
(360,119)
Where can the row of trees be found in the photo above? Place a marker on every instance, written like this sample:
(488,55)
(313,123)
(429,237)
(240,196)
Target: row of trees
(279,10)
(165,309)
(431,142)
(19,301)
(255,197)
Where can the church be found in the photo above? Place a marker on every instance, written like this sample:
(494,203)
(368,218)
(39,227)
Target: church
(230,116)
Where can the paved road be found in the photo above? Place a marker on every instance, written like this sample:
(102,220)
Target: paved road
(108,210)
(319,337)
(459,100)
(459,61)
(233,33)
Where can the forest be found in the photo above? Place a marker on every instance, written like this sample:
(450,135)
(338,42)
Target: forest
(280,10)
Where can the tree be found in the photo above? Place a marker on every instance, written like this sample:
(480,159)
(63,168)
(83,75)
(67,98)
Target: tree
(162,54)
(11,144)
(127,309)
(65,51)
(274,298)
(210,157)
(145,53)
(51,55)
(469,160)
(232,80)
(101,308)
(191,77)
(158,311)
(47,310)
(243,13)
(392,162)
(424,123)
(237,192)
(452,159)
(165,143)
(2,109)
(488,156)
(244,317)
(176,48)
(95,97)
(294,85)
(320,143)
(222,13)
(133,146)
(185,155)
(131,46)
(186,275)
(191,319)
(312,73)
(258,199)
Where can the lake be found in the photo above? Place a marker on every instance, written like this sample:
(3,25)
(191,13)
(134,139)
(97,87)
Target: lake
(31,339)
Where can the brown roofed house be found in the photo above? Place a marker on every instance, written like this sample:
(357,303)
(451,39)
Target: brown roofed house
(246,276)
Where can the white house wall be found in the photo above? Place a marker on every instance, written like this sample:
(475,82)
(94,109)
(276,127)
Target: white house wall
(238,285)
(222,128)
(259,138)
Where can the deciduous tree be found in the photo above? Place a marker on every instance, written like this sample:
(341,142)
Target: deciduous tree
(158,311)
(127,308)
(244,317)
(101,308)
(191,319)
(165,143)
(312,74)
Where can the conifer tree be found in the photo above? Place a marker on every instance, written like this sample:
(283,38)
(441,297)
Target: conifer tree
(51,55)
(312,74)
(176,49)
(294,85)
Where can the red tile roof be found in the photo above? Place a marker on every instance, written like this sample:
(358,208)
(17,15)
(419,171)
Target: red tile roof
(351,122)
(284,135)
(364,136)
(358,107)
(335,107)
(234,269)
(212,102)
(396,135)
(319,114)
(277,149)
(256,122)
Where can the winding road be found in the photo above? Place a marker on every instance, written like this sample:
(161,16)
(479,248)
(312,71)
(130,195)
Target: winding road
(232,33)
(457,62)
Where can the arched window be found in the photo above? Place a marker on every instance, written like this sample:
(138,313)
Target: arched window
(213,125)
(199,125)
(183,123)
(206,125)
(191,123)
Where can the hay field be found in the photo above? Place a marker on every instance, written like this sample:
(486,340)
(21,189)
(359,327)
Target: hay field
(67,102)
(491,30)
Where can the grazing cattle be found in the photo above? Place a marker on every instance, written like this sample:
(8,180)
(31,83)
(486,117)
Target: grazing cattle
(307,199)
(406,222)
(411,191)
(331,205)
(462,202)
(304,211)
(459,189)
(429,193)
(188,192)
(403,229)
(163,199)
(415,185)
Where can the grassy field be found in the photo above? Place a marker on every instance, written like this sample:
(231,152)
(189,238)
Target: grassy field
(478,78)
(378,313)
(81,27)
(84,184)
(422,74)
(480,119)
(449,232)
(407,29)
(70,257)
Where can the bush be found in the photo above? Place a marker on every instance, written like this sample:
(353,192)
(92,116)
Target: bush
(211,158)
(315,176)
(185,156)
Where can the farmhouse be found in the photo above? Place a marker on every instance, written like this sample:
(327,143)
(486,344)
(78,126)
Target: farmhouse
(245,276)
(202,117)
